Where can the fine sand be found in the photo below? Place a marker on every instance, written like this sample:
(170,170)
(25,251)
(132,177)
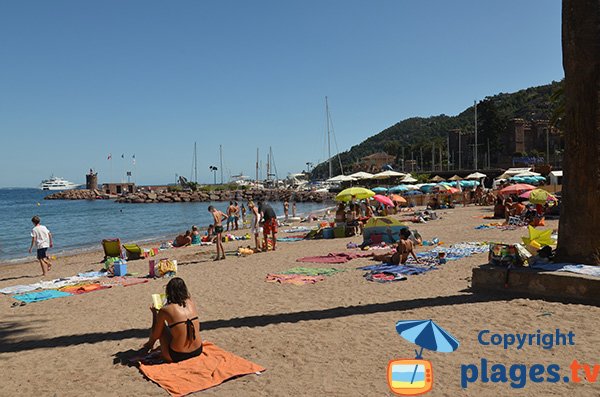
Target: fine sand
(333,338)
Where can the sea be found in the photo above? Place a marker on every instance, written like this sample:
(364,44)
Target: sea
(80,225)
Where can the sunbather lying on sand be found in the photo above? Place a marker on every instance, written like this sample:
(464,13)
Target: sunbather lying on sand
(180,338)
(404,249)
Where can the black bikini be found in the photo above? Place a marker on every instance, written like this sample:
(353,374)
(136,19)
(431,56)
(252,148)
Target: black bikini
(191,335)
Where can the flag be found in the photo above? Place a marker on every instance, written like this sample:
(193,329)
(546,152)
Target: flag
(109,157)
(123,156)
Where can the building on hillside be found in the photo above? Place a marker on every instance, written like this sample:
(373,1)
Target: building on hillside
(374,162)
(524,143)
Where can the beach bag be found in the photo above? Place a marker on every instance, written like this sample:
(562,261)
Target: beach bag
(505,255)
(165,268)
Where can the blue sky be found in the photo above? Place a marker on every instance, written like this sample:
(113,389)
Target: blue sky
(80,80)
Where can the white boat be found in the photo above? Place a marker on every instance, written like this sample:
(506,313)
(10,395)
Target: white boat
(57,183)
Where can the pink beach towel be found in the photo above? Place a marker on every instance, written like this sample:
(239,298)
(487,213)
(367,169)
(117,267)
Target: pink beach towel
(213,367)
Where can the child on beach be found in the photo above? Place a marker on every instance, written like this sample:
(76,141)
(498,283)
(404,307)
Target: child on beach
(286,208)
(42,238)
(218,226)
(195,235)
(230,216)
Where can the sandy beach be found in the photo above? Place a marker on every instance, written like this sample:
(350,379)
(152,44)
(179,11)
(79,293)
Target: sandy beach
(333,338)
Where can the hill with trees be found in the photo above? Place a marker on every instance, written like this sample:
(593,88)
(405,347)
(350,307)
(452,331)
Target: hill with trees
(417,134)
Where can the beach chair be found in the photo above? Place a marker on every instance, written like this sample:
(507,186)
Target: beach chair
(133,251)
(112,248)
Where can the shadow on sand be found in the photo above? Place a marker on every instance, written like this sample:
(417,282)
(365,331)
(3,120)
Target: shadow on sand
(9,346)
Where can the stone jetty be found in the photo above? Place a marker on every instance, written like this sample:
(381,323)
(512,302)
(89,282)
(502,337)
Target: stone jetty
(79,194)
(165,196)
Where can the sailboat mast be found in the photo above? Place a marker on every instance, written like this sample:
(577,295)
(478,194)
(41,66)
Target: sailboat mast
(221,161)
(257,166)
(328,138)
(475,106)
(195,164)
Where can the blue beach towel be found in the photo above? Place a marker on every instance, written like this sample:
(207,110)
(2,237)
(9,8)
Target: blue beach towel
(39,296)
(397,269)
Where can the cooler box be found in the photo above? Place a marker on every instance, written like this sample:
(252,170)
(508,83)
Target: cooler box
(339,232)
(120,269)
(328,233)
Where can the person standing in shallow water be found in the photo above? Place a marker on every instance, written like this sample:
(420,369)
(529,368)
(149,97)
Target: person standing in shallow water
(42,238)
(286,209)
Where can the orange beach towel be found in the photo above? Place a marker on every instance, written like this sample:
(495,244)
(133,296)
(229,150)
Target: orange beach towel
(213,367)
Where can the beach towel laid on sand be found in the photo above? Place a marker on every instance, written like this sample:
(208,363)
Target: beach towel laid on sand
(17,289)
(397,269)
(39,296)
(83,288)
(213,367)
(339,257)
(384,277)
(296,279)
(580,269)
(290,239)
(313,271)
(123,281)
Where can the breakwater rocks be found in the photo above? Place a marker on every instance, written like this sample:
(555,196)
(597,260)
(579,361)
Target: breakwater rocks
(79,194)
(225,195)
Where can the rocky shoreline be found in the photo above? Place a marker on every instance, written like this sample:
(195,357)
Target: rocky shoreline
(197,196)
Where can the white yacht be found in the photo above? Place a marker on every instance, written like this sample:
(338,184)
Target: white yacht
(57,183)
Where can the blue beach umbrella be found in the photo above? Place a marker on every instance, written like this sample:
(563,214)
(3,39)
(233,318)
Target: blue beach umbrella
(427,335)
(380,189)
(412,193)
(398,189)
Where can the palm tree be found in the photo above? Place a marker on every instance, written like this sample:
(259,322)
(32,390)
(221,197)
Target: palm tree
(578,239)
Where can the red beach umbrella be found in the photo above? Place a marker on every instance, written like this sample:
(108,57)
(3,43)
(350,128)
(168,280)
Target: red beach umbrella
(383,200)
(516,189)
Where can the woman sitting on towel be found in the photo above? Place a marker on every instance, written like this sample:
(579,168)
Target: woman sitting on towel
(176,325)
(404,249)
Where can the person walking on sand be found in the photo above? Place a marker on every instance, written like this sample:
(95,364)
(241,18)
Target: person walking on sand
(230,215)
(269,217)
(286,209)
(218,226)
(254,224)
(42,238)
(294,209)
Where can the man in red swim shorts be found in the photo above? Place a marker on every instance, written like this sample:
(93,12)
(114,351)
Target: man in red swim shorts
(270,223)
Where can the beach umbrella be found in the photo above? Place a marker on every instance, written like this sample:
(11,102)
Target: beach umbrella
(388,174)
(398,199)
(380,189)
(527,173)
(455,178)
(427,335)
(475,175)
(437,178)
(538,196)
(399,188)
(360,193)
(383,200)
(341,178)
(361,175)
(516,188)
(412,193)
(408,179)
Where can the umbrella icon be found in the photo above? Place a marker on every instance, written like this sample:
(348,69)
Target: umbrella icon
(427,335)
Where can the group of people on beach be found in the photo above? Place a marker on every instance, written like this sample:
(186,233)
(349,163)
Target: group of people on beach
(263,216)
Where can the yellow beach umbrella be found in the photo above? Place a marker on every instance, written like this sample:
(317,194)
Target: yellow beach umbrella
(358,193)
